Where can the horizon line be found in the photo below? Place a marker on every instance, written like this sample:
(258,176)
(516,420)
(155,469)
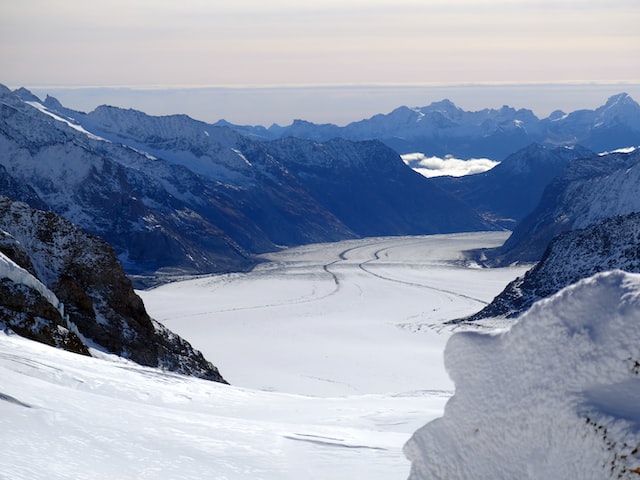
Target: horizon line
(159,87)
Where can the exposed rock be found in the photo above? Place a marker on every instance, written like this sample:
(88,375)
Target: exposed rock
(587,192)
(29,314)
(613,244)
(84,273)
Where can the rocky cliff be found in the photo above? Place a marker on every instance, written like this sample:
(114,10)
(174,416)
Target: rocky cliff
(612,244)
(98,309)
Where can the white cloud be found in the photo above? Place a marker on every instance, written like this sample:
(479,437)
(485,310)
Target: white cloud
(454,167)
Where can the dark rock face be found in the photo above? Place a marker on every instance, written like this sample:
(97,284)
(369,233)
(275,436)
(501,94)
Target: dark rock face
(83,272)
(368,188)
(587,192)
(29,314)
(511,190)
(613,244)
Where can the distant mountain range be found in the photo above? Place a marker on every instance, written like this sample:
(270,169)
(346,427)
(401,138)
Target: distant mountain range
(442,128)
(174,195)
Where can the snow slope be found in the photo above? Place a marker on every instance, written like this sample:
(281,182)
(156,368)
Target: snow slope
(329,311)
(562,405)
(64,416)
(335,319)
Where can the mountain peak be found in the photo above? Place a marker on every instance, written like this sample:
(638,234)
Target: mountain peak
(443,105)
(52,103)
(26,95)
(620,99)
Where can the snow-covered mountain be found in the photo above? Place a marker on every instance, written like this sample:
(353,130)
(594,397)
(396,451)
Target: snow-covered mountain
(588,191)
(612,244)
(512,189)
(442,128)
(65,288)
(554,397)
(172,194)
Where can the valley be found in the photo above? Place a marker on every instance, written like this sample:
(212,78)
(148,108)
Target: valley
(334,353)
(352,317)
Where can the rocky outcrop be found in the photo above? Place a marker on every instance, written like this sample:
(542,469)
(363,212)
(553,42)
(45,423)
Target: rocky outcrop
(26,312)
(613,244)
(84,274)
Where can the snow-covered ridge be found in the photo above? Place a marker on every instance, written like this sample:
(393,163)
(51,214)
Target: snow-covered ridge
(555,397)
(71,124)
(442,128)
(608,245)
(587,192)
(14,272)
(100,307)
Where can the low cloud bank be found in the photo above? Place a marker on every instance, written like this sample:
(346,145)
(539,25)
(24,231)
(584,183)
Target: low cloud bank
(447,166)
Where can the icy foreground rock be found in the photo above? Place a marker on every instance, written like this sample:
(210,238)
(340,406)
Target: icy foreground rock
(555,397)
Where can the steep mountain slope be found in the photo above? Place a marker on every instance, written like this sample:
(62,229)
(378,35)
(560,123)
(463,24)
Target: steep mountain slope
(105,188)
(512,189)
(442,128)
(47,260)
(175,195)
(612,244)
(588,191)
(373,193)
(356,182)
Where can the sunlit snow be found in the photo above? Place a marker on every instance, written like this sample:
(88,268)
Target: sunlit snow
(555,397)
(75,126)
(334,352)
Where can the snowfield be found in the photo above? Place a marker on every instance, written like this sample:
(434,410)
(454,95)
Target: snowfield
(335,319)
(334,352)
(556,397)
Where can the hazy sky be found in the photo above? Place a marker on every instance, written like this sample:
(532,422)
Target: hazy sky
(178,43)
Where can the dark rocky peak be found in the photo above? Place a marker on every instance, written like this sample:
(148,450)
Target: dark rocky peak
(52,103)
(620,99)
(445,106)
(612,244)
(83,272)
(556,115)
(26,95)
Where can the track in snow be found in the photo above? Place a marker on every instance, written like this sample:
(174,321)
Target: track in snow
(335,319)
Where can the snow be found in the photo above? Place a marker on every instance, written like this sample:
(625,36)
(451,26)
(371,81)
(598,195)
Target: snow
(557,396)
(347,312)
(358,324)
(620,150)
(75,126)
(14,272)
(66,416)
